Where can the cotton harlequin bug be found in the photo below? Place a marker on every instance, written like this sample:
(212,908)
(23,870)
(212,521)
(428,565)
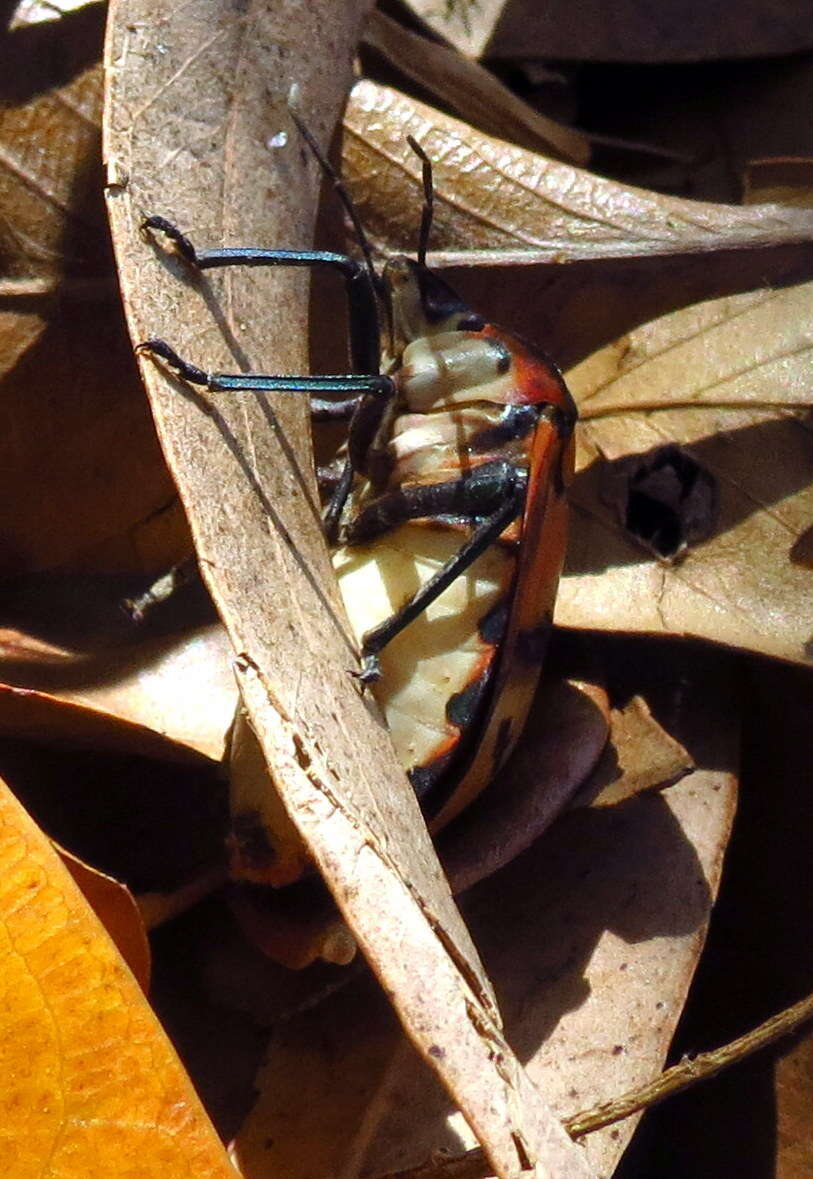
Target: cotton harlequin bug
(447,516)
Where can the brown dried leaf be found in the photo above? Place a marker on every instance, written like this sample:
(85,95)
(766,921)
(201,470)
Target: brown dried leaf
(758,958)
(177,691)
(196,97)
(471,91)
(564,757)
(564,736)
(181,687)
(466,25)
(719,379)
(794,1100)
(496,203)
(641,756)
(53,218)
(780,181)
(592,937)
(115,906)
(629,31)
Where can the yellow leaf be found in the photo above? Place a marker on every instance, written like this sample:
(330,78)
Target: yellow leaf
(89,1084)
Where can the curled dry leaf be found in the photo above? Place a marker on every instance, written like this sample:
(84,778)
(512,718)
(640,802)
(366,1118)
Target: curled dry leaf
(722,380)
(197,102)
(564,757)
(159,698)
(641,756)
(496,203)
(89,1083)
(564,736)
(116,908)
(470,90)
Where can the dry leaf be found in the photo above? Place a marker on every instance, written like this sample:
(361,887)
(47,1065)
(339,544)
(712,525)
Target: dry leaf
(160,698)
(53,218)
(498,204)
(592,937)
(89,1085)
(641,756)
(181,687)
(104,661)
(794,1099)
(629,31)
(196,105)
(719,379)
(780,181)
(471,91)
(559,760)
(466,25)
(115,906)
(564,735)
(758,958)
(30,12)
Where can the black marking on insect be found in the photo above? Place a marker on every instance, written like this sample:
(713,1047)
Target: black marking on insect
(249,842)
(447,513)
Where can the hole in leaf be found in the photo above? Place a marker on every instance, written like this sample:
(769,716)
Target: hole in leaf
(670,501)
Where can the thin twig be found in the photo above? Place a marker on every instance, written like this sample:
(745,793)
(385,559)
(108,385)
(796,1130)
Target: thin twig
(689,1071)
(475,1165)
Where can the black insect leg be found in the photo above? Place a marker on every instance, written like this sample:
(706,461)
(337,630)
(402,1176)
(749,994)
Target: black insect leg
(362,319)
(353,384)
(338,410)
(484,535)
(477,493)
(365,350)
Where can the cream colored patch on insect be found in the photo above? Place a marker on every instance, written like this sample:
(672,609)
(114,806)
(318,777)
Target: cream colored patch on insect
(429,444)
(441,652)
(452,368)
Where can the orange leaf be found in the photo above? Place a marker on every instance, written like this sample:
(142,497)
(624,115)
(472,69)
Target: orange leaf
(89,1085)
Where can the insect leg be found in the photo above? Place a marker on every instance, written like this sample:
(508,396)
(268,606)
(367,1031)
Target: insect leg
(351,383)
(365,349)
(474,495)
(365,337)
(338,410)
(484,535)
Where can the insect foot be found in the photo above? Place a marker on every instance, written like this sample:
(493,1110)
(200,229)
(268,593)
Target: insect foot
(180,241)
(370,671)
(161,349)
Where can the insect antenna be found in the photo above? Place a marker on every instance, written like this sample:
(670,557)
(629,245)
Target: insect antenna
(341,191)
(428,198)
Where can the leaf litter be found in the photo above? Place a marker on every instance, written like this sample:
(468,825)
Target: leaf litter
(629,775)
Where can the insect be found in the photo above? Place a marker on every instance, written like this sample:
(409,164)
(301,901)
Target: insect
(448,515)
